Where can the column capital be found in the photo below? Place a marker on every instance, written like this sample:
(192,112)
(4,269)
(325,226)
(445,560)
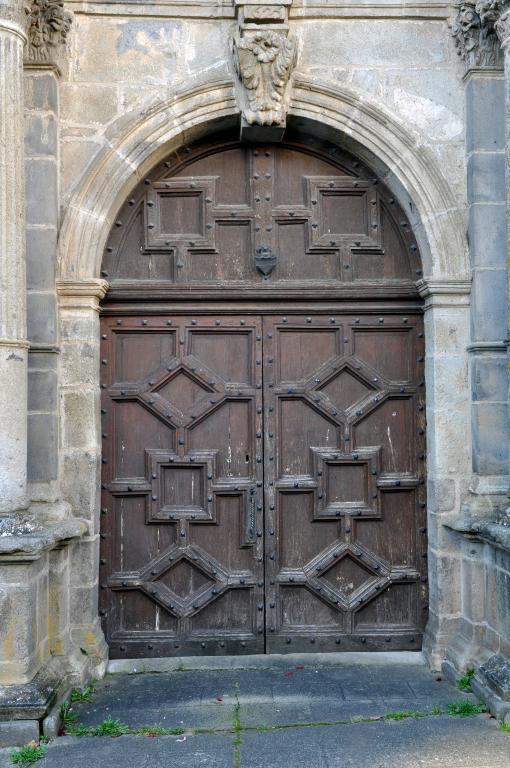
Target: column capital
(477,43)
(495,14)
(47,26)
(446,292)
(81,294)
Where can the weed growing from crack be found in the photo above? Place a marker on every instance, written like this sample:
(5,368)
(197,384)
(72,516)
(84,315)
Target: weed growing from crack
(505,727)
(403,715)
(157,730)
(110,727)
(113,728)
(465,708)
(464,683)
(67,716)
(84,694)
(28,755)
(238,731)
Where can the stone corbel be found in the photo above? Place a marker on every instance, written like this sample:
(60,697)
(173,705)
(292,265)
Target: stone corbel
(47,26)
(477,43)
(264,55)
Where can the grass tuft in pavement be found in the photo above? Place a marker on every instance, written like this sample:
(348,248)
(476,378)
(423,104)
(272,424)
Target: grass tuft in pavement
(465,708)
(84,694)
(157,730)
(28,755)
(403,715)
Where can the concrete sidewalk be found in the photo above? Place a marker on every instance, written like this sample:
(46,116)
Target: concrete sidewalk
(281,712)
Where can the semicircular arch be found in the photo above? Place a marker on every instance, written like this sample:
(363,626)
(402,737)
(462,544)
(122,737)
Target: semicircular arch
(135,143)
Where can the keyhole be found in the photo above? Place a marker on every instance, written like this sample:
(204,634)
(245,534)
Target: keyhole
(247,458)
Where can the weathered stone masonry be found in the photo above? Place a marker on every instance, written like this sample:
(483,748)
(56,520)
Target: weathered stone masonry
(417,90)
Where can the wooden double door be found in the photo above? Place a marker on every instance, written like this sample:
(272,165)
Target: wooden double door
(263,481)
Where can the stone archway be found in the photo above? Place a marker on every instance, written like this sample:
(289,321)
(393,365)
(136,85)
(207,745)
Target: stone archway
(394,151)
(410,171)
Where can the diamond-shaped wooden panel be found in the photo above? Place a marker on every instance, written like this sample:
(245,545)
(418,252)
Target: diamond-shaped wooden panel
(345,389)
(185,579)
(347,575)
(183,390)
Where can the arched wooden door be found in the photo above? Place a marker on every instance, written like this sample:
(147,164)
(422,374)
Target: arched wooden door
(263,409)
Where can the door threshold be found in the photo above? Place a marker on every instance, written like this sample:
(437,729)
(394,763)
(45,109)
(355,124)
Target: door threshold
(261,661)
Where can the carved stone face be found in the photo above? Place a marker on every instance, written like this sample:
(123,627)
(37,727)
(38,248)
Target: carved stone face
(467,18)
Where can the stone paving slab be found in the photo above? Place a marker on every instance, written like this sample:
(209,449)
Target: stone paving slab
(200,751)
(439,742)
(194,698)
(290,715)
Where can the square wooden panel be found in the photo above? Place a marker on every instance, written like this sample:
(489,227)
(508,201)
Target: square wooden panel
(177,213)
(344,212)
(346,483)
(181,486)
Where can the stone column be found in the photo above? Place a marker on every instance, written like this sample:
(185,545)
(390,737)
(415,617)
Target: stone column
(495,17)
(503,32)
(13,344)
(48,25)
(479,47)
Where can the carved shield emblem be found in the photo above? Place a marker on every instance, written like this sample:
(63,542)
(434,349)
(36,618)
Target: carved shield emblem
(265,259)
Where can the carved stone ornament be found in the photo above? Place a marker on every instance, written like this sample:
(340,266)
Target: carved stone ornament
(495,14)
(47,25)
(263,61)
(264,55)
(476,43)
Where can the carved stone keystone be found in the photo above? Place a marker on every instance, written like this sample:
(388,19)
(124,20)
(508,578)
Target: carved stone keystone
(264,54)
(47,27)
